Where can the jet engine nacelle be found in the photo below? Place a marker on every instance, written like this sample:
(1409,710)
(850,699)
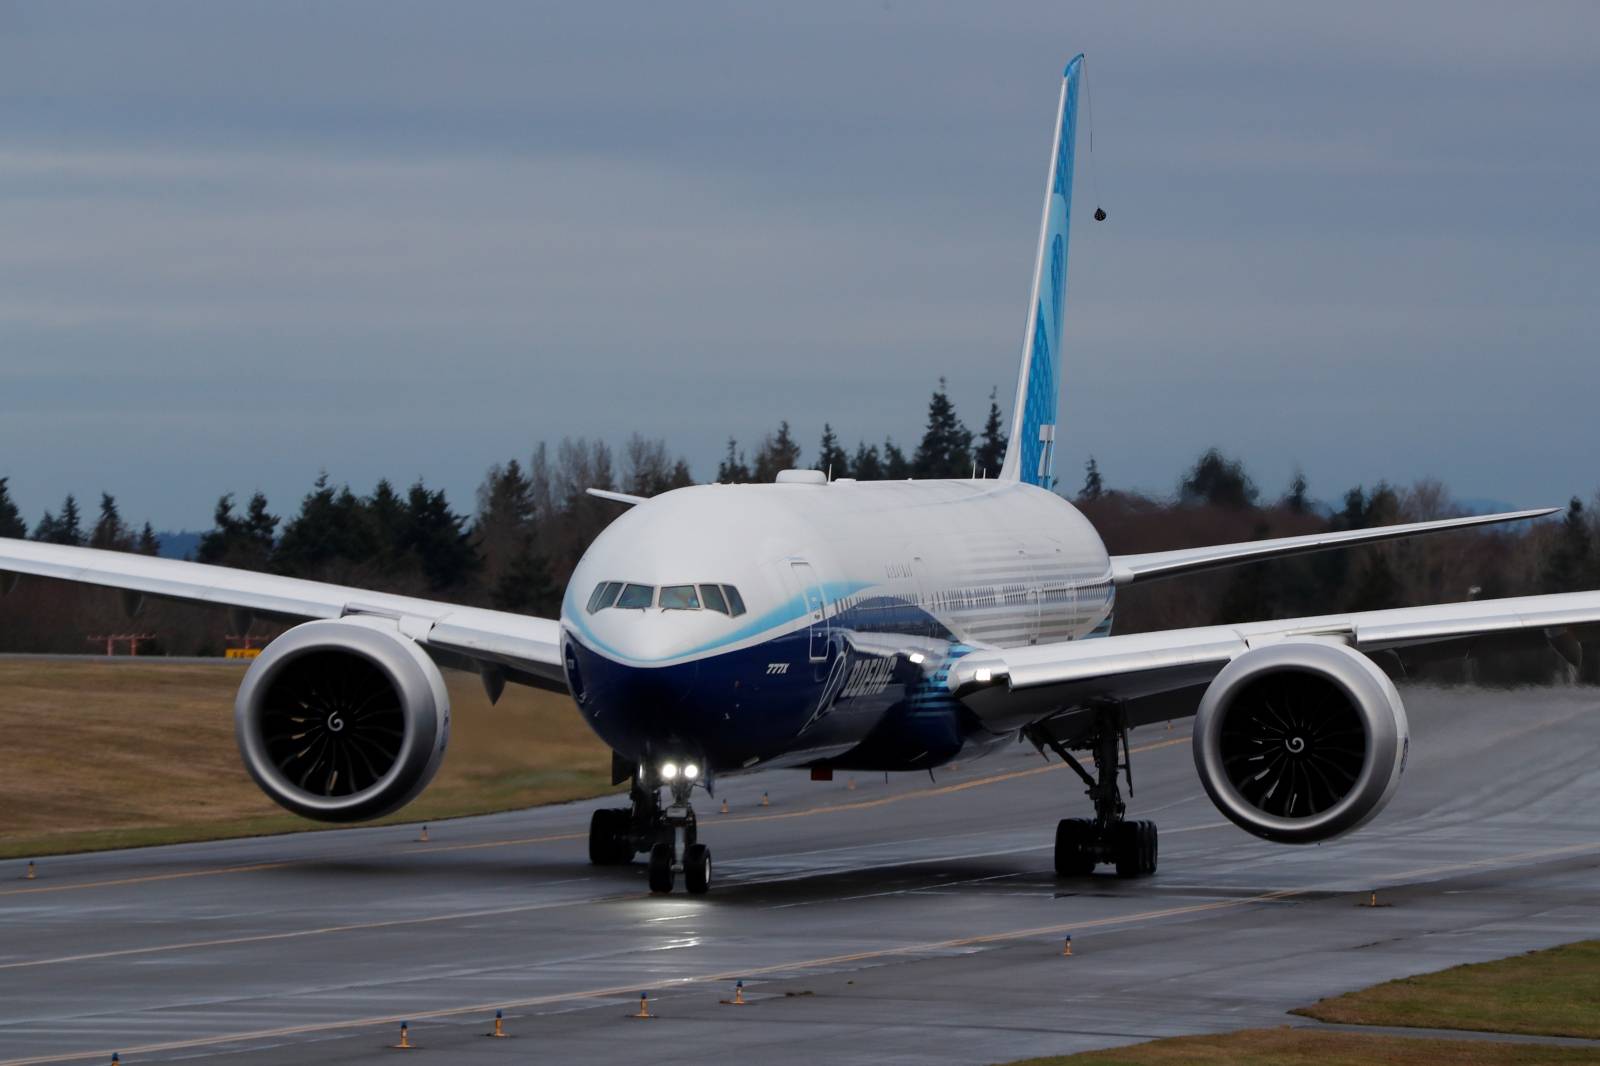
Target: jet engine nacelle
(1300,741)
(343,720)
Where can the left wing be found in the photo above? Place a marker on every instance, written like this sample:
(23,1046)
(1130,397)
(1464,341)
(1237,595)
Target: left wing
(1160,676)
(527,649)
(1127,569)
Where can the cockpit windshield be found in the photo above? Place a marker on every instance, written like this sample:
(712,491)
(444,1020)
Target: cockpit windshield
(636,596)
(724,599)
(679,598)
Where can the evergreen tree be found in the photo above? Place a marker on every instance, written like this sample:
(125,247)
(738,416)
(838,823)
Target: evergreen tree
(866,466)
(733,470)
(778,452)
(1218,481)
(1093,486)
(63,530)
(1569,566)
(149,543)
(507,537)
(109,532)
(11,523)
(1296,500)
(831,458)
(239,542)
(991,453)
(332,528)
(438,537)
(896,467)
(946,448)
(388,518)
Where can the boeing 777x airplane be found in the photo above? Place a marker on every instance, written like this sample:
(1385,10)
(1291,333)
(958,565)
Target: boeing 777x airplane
(719,629)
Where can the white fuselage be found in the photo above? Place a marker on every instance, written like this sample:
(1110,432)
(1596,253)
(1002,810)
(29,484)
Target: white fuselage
(855,595)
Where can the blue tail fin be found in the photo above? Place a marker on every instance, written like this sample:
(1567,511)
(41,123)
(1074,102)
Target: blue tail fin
(1030,455)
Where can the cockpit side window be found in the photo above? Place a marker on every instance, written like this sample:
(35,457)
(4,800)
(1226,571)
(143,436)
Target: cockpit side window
(735,601)
(637,597)
(679,598)
(604,595)
(711,596)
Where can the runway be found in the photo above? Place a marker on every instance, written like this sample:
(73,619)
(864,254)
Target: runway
(914,921)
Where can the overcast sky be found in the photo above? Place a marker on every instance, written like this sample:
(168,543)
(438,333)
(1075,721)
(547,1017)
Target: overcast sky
(243,243)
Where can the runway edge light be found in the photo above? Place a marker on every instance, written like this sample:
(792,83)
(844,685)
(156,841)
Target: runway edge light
(499,1025)
(644,1007)
(1066,947)
(405,1038)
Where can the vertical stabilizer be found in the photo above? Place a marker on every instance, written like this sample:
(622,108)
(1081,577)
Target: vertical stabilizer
(1030,455)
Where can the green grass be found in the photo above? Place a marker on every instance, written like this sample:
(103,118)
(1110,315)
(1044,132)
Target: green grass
(1543,993)
(117,755)
(1311,1047)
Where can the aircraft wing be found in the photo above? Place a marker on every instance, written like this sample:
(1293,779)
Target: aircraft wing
(527,649)
(1127,569)
(1161,675)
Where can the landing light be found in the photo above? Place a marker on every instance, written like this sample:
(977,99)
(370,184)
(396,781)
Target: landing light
(983,675)
(690,771)
(669,771)
(916,658)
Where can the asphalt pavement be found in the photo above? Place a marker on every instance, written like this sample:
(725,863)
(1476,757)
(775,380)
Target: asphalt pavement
(910,921)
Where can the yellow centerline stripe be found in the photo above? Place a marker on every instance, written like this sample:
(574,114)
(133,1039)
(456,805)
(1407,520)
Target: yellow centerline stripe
(352,927)
(831,960)
(147,878)
(831,808)
(925,793)
(677,982)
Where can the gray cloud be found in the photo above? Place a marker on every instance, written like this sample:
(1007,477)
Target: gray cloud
(242,244)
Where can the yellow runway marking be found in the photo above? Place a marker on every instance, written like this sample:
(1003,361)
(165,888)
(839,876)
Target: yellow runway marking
(783,967)
(148,878)
(353,927)
(831,808)
(925,793)
(633,989)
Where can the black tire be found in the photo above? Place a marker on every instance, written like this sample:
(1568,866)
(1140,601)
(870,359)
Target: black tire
(1072,854)
(697,869)
(1152,847)
(608,837)
(661,876)
(1127,844)
(602,838)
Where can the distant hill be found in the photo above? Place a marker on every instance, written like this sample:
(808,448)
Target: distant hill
(180,544)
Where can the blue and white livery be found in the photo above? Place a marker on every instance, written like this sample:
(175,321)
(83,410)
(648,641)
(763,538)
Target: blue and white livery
(826,624)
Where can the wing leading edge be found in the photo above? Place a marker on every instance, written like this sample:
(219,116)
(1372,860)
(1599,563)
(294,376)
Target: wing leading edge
(1127,569)
(528,648)
(1013,687)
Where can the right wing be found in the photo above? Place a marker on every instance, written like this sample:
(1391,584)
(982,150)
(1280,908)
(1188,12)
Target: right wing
(1160,676)
(1127,569)
(527,649)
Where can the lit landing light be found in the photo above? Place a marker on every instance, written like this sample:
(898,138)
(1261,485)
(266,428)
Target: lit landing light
(916,658)
(983,675)
(690,771)
(669,771)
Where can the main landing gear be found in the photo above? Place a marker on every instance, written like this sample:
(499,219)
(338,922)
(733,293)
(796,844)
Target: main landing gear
(666,834)
(1082,843)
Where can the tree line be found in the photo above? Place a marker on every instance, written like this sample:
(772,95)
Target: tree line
(532,519)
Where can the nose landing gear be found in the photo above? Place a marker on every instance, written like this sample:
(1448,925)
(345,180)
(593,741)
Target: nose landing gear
(667,834)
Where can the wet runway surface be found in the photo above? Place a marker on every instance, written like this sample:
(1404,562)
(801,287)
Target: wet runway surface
(915,921)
